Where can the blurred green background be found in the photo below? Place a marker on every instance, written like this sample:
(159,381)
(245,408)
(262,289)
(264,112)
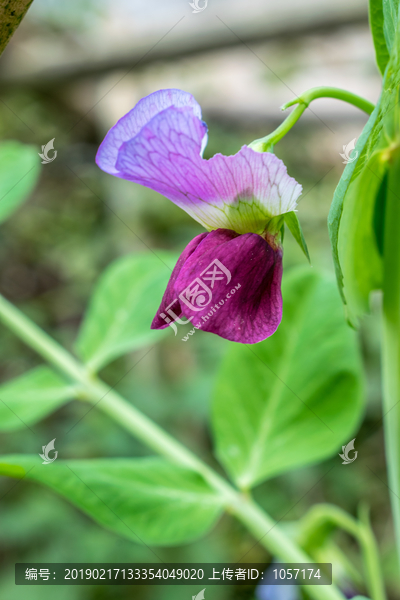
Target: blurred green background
(78,220)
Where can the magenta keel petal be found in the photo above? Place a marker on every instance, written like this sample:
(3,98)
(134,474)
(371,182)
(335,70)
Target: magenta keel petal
(230,285)
(170,308)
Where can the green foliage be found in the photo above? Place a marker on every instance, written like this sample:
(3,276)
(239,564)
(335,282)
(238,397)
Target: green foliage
(336,218)
(15,471)
(147,500)
(293,223)
(377,29)
(75,242)
(355,220)
(123,306)
(29,398)
(295,398)
(19,172)
(390,21)
(358,247)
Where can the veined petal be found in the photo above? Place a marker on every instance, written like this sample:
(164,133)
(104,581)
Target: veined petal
(130,125)
(241,192)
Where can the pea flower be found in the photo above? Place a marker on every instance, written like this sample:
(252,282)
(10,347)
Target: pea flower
(229,277)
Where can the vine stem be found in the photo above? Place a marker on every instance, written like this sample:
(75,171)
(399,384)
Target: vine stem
(319,516)
(303,101)
(391,338)
(257,521)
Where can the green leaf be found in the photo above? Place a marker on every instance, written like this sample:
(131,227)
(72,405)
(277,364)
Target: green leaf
(123,306)
(292,221)
(358,243)
(353,219)
(27,399)
(390,18)
(378,35)
(295,398)
(19,172)
(148,500)
(380,212)
(337,207)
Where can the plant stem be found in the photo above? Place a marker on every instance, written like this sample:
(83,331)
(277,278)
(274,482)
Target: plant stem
(252,516)
(39,341)
(371,557)
(259,523)
(391,338)
(322,514)
(267,143)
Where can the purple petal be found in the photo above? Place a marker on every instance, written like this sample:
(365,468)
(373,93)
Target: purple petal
(241,192)
(230,285)
(170,308)
(130,125)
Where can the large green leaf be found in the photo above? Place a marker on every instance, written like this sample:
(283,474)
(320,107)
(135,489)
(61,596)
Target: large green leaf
(147,500)
(295,398)
(27,399)
(352,218)
(123,306)
(19,172)
(350,173)
(377,29)
(390,21)
(358,246)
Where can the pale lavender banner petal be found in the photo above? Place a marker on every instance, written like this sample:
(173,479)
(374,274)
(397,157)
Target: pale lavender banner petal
(130,125)
(241,192)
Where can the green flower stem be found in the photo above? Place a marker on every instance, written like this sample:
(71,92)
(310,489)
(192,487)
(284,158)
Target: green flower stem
(95,391)
(373,571)
(267,143)
(323,514)
(391,338)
